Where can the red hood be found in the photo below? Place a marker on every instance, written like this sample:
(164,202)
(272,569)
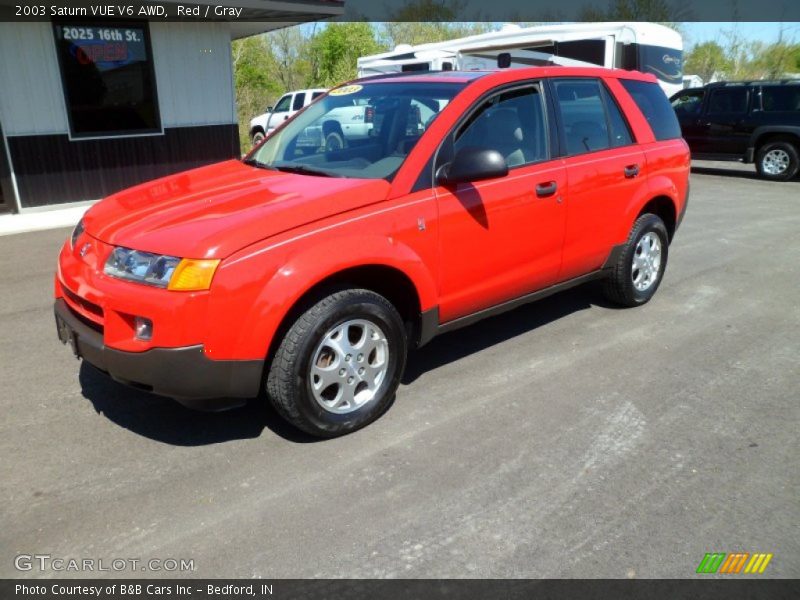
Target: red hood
(214,211)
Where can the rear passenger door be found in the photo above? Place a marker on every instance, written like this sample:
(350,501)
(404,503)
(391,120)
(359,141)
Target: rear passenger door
(605,168)
(501,238)
(722,129)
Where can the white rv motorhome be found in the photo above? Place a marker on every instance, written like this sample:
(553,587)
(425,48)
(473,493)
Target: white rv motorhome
(646,47)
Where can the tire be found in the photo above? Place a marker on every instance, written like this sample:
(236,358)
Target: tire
(777,160)
(258,137)
(333,142)
(321,383)
(640,267)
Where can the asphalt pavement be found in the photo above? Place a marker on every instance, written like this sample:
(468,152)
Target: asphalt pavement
(568,438)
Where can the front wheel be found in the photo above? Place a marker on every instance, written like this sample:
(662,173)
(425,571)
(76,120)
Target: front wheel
(338,367)
(637,274)
(777,160)
(258,137)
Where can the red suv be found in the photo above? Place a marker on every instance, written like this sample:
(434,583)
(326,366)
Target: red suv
(307,271)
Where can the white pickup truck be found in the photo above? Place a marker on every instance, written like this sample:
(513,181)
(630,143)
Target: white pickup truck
(289,104)
(350,122)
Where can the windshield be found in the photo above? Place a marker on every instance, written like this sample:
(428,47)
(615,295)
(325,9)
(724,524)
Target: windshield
(361,130)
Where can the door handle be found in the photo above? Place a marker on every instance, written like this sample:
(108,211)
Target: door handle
(631,171)
(546,189)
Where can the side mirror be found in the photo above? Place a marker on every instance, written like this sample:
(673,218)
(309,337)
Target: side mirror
(472,164)
(269,109)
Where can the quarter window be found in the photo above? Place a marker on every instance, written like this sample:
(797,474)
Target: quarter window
(107,75)
(655,107)
(781,98)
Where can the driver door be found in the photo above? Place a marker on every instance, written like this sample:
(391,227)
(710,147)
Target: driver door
(501,238)
(280,113)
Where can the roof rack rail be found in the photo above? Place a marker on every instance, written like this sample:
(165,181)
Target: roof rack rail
(755,82)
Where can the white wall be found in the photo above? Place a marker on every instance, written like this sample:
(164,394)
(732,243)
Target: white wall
(31,99)
(193,73)
(192,65)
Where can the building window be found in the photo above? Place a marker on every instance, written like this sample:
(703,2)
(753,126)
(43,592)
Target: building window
(107,76)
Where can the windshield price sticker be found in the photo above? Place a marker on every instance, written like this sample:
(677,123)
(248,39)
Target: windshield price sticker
(345,90)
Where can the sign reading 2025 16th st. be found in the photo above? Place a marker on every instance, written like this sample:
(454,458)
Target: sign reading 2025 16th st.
(101,45)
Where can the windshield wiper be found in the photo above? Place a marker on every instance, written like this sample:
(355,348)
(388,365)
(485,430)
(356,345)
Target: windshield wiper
(305,170)
(257,163)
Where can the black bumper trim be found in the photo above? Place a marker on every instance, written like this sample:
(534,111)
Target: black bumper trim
(185,374)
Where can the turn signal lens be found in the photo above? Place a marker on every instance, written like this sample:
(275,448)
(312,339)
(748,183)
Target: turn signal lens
(191,275)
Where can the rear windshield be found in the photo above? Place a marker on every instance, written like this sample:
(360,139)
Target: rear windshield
(655,107)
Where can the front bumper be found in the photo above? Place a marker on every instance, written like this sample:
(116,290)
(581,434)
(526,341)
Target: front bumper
(185,374)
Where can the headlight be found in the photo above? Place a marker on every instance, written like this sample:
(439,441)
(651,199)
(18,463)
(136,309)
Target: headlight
(159,270)
(76,233)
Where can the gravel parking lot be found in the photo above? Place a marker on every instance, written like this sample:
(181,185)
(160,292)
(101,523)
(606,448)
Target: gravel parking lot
(565,439)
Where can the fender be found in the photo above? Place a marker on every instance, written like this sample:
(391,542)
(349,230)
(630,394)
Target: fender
(750,154)
(287,273)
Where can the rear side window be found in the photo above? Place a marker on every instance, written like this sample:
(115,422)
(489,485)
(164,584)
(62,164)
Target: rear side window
(655,107)
(781,98)
(299,99)
(583,115)
(620,133)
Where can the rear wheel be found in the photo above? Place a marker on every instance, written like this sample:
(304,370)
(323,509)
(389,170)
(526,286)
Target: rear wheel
(339,365)
(777,160)
(637,274)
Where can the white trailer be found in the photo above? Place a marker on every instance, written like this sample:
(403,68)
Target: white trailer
(646,47)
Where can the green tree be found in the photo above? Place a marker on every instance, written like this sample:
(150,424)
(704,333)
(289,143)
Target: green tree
(254,83)
(337,48)
(706,59)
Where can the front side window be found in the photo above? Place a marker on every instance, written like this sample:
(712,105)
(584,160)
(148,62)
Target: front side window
(361,130)
(284,103)
(583,116)
(687,103)
(512,123)
(728,101)
(107,75)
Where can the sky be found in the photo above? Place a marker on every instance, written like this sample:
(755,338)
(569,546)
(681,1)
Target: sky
(696,33)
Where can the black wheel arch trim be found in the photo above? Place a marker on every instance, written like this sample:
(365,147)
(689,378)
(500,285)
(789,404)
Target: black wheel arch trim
(768,130)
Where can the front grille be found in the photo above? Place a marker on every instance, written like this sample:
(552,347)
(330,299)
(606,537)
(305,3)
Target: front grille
(89,307)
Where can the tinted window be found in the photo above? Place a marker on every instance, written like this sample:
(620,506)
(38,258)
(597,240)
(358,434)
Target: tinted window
(283,103)
(780,98)
(728,100)
(298,101)
(687,103)
(108,80)
(316,95)
(583,116)
(591,51)
(620,133)
(511,123)
(655,107)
